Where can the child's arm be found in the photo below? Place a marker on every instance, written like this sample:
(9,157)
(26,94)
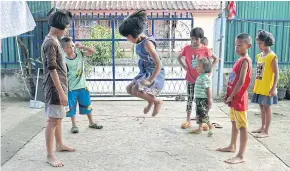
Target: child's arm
(88,51)
(50,54)
(62,97)
(209,98)
(181,62)
(215,59)
(150,48)
(241,81)
(273,91)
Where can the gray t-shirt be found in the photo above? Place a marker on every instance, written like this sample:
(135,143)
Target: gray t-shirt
(53,58)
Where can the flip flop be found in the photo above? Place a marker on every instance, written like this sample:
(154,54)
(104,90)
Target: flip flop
(185,125)
(74,130)
(96,126)
(195,132)
(216,125)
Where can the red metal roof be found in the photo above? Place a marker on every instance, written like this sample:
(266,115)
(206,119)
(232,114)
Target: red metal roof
(137,5)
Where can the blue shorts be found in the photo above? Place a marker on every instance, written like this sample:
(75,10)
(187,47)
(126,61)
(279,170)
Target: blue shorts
(264,100)
(81,96)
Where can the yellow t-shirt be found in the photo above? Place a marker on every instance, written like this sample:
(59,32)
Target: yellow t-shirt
(265,74)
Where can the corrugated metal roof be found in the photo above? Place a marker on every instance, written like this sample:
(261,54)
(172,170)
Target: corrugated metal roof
(137,5)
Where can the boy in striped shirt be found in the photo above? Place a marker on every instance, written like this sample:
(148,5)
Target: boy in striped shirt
(202,94)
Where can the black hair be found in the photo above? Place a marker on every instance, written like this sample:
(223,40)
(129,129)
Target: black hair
(265,37)
(204,40)
(65,40)
(134,24)
(197,32)
(60,19)
(246,37)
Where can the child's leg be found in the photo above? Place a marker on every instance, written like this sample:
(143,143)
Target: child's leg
(49,138)
(149,98)
(58,138)
(233,144)
(72,99)
(263,120)
(267,122)
(239,158)
(73,121)
(190,97)
(148,107)
(129,88)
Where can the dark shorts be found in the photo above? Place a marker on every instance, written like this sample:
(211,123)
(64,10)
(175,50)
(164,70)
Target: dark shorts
(202,110)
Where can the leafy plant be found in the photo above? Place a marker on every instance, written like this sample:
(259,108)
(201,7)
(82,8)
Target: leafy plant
(103,49)
(284,78)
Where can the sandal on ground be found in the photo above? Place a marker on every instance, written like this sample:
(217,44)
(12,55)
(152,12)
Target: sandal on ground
(195,132)
(74,130)
(216,125)
(96,126)
(185,125)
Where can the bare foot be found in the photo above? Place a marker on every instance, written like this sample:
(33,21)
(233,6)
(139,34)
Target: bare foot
(53,161)
(147,108)
(261,135)
(235,160)
(227,149)
(60,148)
(258,130)
(157,107)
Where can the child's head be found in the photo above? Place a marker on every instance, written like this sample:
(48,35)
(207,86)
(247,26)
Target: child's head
(67,45)
(243,43)
(204,65)
(133,26)
(204,41)
(59,21)
(196,34)
(264,39)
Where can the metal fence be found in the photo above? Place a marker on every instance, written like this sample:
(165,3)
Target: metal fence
(116,67)
(279,28)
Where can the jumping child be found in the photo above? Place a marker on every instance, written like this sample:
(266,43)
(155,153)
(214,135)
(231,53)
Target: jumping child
(150,80)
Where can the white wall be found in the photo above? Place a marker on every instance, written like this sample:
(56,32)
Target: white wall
(206,22)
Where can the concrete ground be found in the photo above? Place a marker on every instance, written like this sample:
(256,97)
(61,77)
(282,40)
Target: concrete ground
(131,144)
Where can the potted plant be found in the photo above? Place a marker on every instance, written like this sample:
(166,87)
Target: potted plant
(288,86)
(282,83)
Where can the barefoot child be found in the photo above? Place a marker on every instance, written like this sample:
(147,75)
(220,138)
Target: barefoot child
(150,80)
(237,98)
(202,94)
(265,90)
(55,84)
(78,92)
(192,53)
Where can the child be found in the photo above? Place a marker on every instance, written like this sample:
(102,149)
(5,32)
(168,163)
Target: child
(265,90)
(237,98)
(202,94)
(192,53)
(78,92)
(204,41)
(150,80)
(55,84)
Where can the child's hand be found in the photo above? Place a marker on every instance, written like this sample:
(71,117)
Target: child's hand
(229,99)
(79,45)
(146,82)
(210,101)
(273,92)
(63,99)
